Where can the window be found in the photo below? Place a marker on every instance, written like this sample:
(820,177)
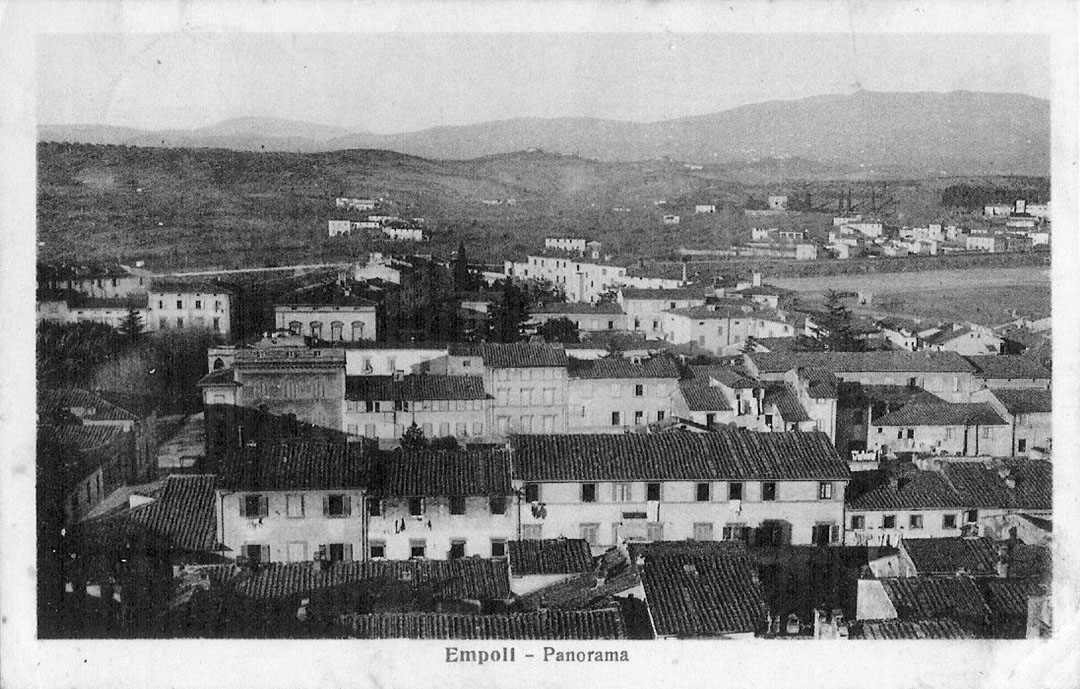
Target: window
(639,418)
(217,325)
(198,303)
(256,552)
(736,532)
(163,323)
(160,305)
(660,416)
(910,433)
(377,550)
(654,531)
(1021,445)
(532,532)
(457,548)
(615,418)
(915,521)
(357,330)
(179,304)
(768,490)
(888,521)
(466,363)
(254,506)
(217,307)
(858,522)
(824,490)
(621,492)
(336,330)
(948,521)
(639,391)
(457,505)
(294,505)
(337,506)
(987,432)
(703,492)
(497,504)
(417,549)
(971,516)
(416,507)
(590,533)
(652,491)
(703,531)
(532,492)
(588,492)
(498,547)
(734,491)
(316,329)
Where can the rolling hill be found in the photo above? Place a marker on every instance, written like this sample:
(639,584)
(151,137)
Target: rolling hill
(880,134)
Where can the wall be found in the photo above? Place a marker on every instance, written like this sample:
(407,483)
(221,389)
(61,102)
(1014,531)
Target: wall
(647,315)
(322,404)
(874,533)
(277,529)
(437,418)
(107,287)
(477,527)
(528,400)
(678,511)
(582,281)
(954,440)
(212,312)
(873,602)
(347,316)
(384,362)
(714,333)
(970,344)
(601,322)
(592,401)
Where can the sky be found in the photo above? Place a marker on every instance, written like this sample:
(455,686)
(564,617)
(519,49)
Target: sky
(391,83)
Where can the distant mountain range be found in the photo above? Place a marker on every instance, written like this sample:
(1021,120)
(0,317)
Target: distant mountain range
(956,133)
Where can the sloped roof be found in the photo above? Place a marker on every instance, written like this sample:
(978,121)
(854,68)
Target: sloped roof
(943,414)
(579,308)
(443,473)
(980,486)
(298,466)
(224,376)
(462,579)
(424,386)
(928,597)
(654,367)
(581,591)
(786,401)
(539,625)
(951,555)
(514,355)
(821,383)
(915,490)
(892,394)
(1005,366)
(731,376)
(1025,400)
(550,556)
(855,362)
(893,630)
(696,589)
(51,402)
(329,294)
(725,455)
(717,312)
(183,514)
(677,294)
(701,397)
(187,286)
(1007,598)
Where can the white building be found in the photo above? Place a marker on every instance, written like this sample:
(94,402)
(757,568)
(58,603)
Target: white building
(404,234)
(183,305)
(704,209)
(575,244)
(326,312)
(613,395)
(580,280)
(719,328)
(355,204)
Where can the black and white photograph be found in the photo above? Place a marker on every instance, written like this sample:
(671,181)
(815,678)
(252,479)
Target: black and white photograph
(502,340)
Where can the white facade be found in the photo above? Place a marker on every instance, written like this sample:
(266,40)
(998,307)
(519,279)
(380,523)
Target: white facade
(704,208)
(339,228)
(579,280)
(718,330)
(646,315)
(404,234)
(613,405)
(576,244)
(174,309)
(402,525)
(331,323)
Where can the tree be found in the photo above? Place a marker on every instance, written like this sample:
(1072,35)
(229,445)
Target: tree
(413,438)
(608,296)
(837,322)
(131,327)
(559,330)
(464,279)
(509,318)
(749,346)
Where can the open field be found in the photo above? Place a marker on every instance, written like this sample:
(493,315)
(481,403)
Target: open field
(980,295)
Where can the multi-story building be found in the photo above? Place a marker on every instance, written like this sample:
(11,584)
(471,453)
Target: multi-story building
(528,382)
(328,312)
(1009,371)
(580,280)
(588,318)
(645,308)
(187,305)
(1028,413)
(441,406)
(110,282)
(73,307)
(612,395)
(766,488)
(724,329)
(969,339)
(575,244)
(965,429)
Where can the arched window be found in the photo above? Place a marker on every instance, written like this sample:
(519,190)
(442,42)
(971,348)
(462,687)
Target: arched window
(357,330)
(336,329)
(316,330)
(296,327)
(218,364)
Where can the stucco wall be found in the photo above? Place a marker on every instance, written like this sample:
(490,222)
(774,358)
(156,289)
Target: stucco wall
(437,527)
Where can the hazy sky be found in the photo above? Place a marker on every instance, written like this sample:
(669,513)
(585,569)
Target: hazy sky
(389,83)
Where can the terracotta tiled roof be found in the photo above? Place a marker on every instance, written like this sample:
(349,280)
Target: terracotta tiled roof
(542,624)
(550,556)
(943,414)
(983,487)
(909,629)
(424,386)
(728,455)
(580,308)
(786,401)
(324,295)
(923,598)
(187,286)
(731,376)
(430,473)
(224,376)
(1025,400)
(915,490)
(516,355)
(654,367)
(82,438)
(821,383)
(891,394)
(298,466)
(464,579)
(1004,366)
(582,591)
(700,589)
(776,344)
(289,357)
(96,408)
(183,514)
(703,397)
(1007,598)
(855,362)
(951,555)
(718,312)
(679,294)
